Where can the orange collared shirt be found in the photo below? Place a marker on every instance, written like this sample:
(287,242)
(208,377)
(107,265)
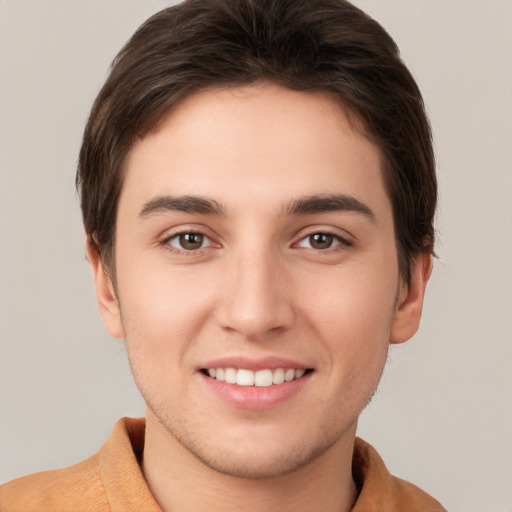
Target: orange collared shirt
(112,481)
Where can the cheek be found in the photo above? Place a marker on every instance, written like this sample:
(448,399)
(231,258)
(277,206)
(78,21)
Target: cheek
(163,311)
(356,298)
(354,324)
(353,313)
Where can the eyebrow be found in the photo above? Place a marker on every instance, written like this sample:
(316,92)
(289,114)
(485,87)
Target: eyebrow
(301,206)
(327,204)
(187,204)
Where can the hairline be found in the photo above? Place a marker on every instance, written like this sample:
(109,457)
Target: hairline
(354,118)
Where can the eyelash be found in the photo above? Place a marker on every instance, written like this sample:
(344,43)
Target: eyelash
(166,242)
(341,242)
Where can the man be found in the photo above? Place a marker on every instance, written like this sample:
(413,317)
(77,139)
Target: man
(258,191)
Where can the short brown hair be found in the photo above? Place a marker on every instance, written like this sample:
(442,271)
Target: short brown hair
(321,45)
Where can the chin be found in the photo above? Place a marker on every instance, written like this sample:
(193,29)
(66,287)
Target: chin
(264,463)
(255,453)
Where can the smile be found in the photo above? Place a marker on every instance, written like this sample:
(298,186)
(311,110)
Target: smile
(260,378)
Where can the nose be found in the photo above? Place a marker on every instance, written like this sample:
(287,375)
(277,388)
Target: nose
(256,301)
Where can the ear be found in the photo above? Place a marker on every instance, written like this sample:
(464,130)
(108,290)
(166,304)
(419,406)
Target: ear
(406,320)
(105,293)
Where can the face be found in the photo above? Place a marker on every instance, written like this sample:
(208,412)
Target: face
(257,283)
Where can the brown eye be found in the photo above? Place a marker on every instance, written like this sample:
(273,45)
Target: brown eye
(189,241)
(320,240)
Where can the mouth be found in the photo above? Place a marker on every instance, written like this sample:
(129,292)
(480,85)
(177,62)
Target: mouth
(260,378)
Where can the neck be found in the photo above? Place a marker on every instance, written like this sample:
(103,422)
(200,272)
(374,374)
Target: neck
(175,476)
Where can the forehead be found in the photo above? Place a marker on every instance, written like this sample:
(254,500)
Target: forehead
(261,141)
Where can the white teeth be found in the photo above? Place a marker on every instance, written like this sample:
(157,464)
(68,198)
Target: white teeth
(230,375)
(245,378)
(289,375)
(261,378)
(278,376)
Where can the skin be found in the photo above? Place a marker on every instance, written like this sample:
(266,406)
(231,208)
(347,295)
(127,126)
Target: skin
(257,287)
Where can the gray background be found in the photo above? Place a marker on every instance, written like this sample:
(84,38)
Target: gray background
(443,415)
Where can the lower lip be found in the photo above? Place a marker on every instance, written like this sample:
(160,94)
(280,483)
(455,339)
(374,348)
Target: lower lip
(255,397)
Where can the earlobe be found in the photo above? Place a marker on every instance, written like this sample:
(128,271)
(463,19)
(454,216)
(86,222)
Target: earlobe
(105,293)
(406,320)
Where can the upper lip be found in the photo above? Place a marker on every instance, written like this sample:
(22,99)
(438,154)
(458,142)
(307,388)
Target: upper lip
(254,364)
